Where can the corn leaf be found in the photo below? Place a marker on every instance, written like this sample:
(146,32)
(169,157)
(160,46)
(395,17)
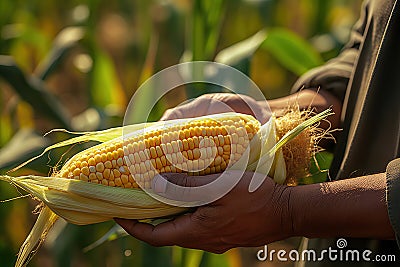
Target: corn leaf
(291,51)
(106,89)
(193,257)
(114,233)
(65,41)
(238,55)
(32,90)
(138,111)
(25,144)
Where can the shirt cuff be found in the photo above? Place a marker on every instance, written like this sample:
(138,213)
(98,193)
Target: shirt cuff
(393,195)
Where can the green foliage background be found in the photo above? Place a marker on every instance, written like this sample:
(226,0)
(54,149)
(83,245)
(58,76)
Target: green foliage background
(75,64)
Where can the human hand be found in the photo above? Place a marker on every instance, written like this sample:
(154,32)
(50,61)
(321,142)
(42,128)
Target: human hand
(238,219)
(219,103)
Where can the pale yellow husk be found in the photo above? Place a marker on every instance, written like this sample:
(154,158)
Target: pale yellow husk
(83,203)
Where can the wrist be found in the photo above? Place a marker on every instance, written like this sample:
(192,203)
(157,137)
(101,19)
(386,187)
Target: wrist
(283,199)
(316,212)
(341,209)
(302,204)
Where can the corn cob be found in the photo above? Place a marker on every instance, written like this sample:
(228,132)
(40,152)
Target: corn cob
(103,182)
(197,147)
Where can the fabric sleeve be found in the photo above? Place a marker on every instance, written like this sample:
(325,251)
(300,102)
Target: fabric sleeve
(335,74)
(393,195)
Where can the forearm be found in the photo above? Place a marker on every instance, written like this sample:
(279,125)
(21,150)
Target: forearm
(346,208)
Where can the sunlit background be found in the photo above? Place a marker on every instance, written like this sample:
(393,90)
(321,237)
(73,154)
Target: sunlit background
(75,65)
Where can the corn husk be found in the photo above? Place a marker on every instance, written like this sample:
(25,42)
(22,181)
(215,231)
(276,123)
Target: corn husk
(84,203)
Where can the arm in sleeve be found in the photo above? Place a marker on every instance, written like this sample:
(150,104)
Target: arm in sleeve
(393,195)
(335,74)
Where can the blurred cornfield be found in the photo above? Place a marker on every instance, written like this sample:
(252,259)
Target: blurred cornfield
(76,64)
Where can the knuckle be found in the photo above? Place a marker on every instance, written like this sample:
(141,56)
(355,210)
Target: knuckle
(206,217)
(167,114)
(206,96)
(168,111)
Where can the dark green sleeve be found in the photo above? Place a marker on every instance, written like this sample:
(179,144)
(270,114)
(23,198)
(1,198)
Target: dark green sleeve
(335,74)
(393,195)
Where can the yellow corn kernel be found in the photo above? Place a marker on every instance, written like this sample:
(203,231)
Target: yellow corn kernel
(195,147)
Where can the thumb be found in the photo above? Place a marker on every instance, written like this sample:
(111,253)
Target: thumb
(185,188)
(182,179)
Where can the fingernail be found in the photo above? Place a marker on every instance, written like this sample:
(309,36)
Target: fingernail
(159,184)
